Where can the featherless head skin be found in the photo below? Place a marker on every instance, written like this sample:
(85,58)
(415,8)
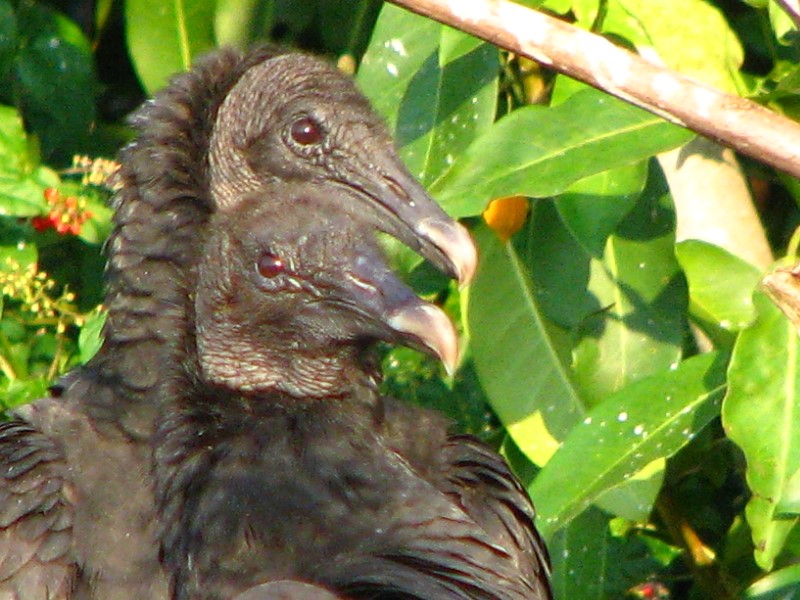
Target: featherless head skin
(223,135)
(296,118)
(292,266)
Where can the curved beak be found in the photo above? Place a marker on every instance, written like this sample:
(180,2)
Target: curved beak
(390,310)
(431,329)
(409,214)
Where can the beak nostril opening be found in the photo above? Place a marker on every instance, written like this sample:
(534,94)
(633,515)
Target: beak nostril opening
(398,189)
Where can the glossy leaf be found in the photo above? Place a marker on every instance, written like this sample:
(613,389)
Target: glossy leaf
(22,181)
(165,37)
(91,336)
(520,369)
(646,421)
(593,207)
(789,504)
(641,328)
(537,151)
(591,563)
(54,66)
(783,584)
(580,557)
(435,109)
(401,43)
(720,285)
(761,414)
(704,46)
(560,268)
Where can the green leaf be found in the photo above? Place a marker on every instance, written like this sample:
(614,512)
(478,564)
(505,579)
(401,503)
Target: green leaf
(91,336)
(589,562)
(54,69)
(164,37)
(593,207)
(20,391)
(580,557)
(456,44)
(641,329)
(346,26)
(789,504)
(22,183)
(436,111)
(14,155)
(720,285)
(649,420)
(18,257)
(782,24)
(783,584)
(8,45)
(704,46)
(401,43)
(518,366)
(537,151)
(236,21)
(559,266)
(761,414)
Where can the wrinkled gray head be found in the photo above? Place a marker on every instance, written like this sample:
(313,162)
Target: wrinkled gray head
(293,288)
(295,118)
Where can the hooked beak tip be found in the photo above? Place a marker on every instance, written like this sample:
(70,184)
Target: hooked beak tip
(431,327)
(455,242)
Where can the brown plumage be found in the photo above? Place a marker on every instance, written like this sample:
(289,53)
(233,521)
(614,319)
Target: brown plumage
(230,433)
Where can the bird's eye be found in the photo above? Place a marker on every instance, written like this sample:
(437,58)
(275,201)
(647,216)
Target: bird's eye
(306,131)
(270,265)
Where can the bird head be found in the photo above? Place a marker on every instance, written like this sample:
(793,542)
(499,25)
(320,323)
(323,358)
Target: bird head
(295,118)
(293,290)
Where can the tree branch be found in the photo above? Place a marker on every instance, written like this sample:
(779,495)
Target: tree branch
(736,122)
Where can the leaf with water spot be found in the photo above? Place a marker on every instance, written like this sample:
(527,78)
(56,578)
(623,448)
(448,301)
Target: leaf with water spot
(516,359)
(540,151)
(761,414)
(641,329)
(589,562)
(720,284)
(650,419)
(435,86)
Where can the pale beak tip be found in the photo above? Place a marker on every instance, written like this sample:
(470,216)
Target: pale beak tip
(434,330)
(455,242)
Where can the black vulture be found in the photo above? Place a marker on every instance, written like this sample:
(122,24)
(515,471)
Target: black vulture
(228,439)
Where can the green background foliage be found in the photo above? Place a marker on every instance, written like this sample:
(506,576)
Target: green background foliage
(644,390)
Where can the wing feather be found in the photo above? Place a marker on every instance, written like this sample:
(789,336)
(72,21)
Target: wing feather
(35,517)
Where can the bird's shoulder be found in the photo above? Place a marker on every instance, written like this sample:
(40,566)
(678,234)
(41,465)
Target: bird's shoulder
(36,516)
(87,487)
(478,482)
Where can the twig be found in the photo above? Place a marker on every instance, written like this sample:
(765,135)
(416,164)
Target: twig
(736,122)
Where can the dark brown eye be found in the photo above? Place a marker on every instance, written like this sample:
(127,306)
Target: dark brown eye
(270,265)
(306,131)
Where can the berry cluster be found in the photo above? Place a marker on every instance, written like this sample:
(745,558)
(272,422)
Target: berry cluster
(67,213)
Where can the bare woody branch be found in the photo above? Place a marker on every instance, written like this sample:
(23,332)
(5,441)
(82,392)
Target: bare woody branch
(736,122)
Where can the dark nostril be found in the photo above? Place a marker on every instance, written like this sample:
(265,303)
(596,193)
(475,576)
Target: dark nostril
(398,189)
